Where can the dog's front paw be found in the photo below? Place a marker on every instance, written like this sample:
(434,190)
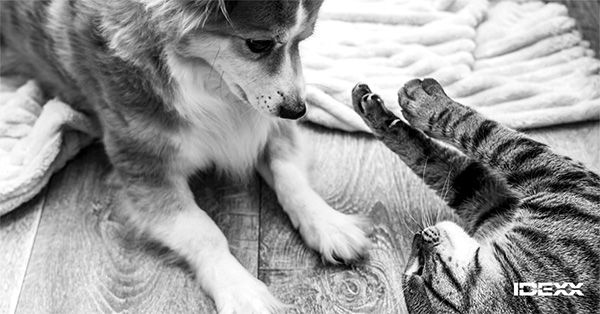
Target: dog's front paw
(423,103)
(372,109)
(247,296)
(338,237)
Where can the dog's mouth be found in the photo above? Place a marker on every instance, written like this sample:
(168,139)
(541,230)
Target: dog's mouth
(241,94)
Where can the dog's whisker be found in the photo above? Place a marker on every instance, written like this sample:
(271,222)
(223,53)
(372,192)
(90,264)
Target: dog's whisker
(212,66)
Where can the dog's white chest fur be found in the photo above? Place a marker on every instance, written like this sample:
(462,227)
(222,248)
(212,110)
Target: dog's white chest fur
(231,142)
(223,131)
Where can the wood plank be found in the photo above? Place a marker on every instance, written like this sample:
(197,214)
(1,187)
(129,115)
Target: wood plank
(83,260)
(17,233)
(355,173)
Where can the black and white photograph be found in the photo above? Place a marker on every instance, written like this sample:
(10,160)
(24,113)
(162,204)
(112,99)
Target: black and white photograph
(300,156)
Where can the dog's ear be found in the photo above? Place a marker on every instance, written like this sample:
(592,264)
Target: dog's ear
(184,16)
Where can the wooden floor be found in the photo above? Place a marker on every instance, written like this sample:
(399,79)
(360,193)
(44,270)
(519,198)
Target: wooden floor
(64,252)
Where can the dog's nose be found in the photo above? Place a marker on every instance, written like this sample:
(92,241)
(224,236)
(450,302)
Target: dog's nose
(292,112)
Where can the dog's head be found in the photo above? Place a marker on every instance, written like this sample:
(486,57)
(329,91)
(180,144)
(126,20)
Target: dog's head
(252,46)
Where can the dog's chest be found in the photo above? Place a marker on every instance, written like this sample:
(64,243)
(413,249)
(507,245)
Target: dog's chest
(230,140)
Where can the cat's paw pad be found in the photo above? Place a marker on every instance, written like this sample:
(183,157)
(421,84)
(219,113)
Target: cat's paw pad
(372,109)
(421,101)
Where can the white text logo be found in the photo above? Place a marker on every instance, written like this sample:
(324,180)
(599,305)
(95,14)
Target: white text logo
(546,289)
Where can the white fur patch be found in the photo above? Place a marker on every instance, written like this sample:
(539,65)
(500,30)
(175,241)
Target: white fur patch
(195,236)
(223,130)
(337,236)
(459,244)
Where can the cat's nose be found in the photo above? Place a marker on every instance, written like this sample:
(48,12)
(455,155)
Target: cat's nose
(431,235)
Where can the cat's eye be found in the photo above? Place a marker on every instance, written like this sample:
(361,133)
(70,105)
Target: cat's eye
(260,46)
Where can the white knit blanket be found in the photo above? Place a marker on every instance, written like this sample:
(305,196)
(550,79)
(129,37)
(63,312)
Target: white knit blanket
(520,63)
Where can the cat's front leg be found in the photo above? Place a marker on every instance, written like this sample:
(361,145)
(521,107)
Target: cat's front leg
(338,237)
(465,184)
(527,165)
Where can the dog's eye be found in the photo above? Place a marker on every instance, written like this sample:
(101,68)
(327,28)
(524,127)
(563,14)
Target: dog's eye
(260,46)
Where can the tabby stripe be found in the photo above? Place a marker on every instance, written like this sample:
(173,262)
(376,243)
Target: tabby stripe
(511,272)
(451,276)
(431,121)
(594,176)
(517,244)
(507,266)
(471,282)
(518,177)
(559,187)
(41,11)
(572,176)
(443,121)
(555,270)
(567,209)
(504,208)
(593,259)
(440,297)
(460,120)
(527,155)
(464,139)
(482,133)
(579,176)
(534,236)
(511,143)
(586,248)
(439,117)
(14,18)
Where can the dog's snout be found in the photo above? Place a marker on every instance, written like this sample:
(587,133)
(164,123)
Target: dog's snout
(293,112)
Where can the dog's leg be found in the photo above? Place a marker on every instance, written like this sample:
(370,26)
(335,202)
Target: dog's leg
(338,237)
(164,208)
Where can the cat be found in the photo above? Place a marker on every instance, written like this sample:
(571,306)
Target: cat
(530,216)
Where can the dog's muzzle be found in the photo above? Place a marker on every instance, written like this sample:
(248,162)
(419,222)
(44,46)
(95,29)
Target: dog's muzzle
(294,112)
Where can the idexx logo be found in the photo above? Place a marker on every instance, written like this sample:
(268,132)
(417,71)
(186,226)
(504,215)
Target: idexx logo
(546,289)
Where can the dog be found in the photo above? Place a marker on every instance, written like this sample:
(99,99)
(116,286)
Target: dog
(179,86)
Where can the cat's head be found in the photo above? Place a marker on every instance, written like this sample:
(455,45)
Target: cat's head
(449,271)
(445,271)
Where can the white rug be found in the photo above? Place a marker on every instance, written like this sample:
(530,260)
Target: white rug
(520,62)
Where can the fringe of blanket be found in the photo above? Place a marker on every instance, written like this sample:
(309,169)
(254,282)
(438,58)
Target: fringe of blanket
(522,63)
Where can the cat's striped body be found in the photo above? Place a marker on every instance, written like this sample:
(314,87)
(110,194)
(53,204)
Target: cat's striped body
(529,215)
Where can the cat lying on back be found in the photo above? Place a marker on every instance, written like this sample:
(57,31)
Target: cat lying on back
(530,215)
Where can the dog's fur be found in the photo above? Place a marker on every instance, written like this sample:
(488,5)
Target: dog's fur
(176,89)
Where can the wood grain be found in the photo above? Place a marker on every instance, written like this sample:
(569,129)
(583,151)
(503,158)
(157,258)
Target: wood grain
(357,174)
(84,261)
(17,233)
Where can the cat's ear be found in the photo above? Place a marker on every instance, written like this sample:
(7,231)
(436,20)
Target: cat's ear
(187,15)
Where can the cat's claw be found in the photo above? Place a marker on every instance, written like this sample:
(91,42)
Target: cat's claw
(372,109)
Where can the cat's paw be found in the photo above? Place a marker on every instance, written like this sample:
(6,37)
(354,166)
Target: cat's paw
(424,103)
(372,109)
